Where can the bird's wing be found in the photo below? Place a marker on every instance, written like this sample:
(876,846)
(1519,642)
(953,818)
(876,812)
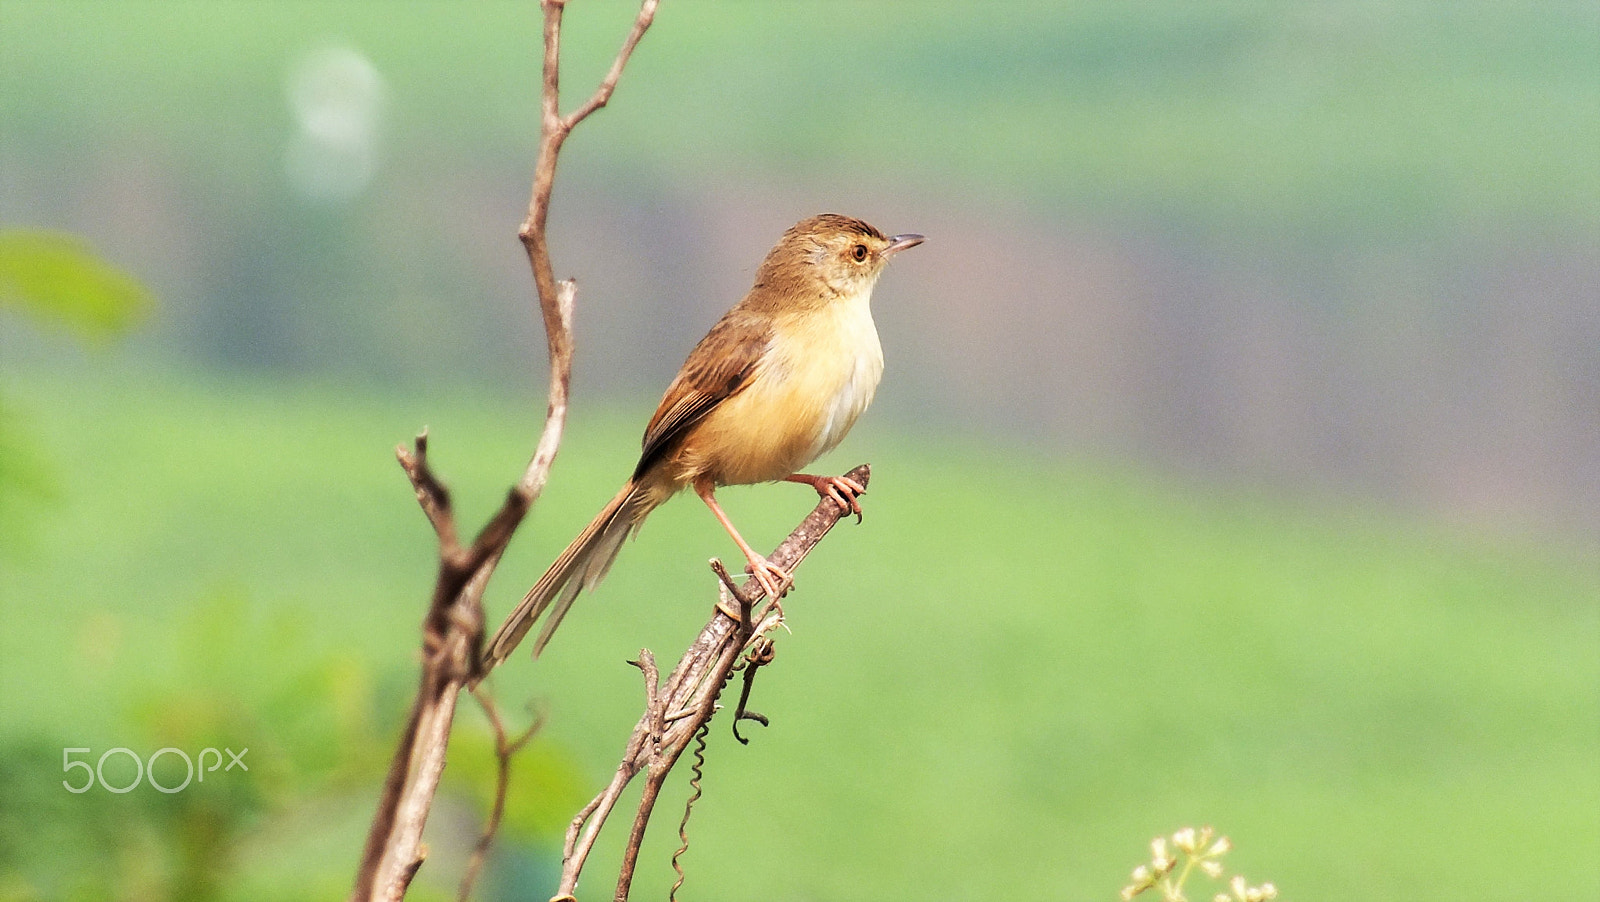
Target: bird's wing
(718,368)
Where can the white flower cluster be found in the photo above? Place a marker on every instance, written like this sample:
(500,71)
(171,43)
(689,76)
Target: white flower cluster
(1198,851)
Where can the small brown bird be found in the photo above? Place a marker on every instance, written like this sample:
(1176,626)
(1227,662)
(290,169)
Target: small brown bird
(776,383)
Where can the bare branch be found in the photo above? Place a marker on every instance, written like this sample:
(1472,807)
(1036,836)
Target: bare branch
(399,853)
(453,628)
(676,711)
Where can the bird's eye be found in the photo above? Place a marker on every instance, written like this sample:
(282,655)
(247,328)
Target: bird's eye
(860,253)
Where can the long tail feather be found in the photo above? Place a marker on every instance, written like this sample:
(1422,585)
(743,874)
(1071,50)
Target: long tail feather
(581,566)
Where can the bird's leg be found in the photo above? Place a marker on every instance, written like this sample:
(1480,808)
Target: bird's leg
(772,578)
(842,489)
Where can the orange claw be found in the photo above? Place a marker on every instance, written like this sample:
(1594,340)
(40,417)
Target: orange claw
(773,578)
(844,491)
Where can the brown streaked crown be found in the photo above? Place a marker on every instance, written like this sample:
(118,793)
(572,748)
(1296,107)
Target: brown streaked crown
(833,224)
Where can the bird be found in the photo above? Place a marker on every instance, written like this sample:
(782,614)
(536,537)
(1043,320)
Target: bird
(778,381)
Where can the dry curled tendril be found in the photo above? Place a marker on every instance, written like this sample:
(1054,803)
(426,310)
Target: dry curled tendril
(1198,852)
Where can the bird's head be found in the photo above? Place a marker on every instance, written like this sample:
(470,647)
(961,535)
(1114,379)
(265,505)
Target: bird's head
(829,256)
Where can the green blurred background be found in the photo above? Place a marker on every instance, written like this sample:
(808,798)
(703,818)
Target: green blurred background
(1235,462)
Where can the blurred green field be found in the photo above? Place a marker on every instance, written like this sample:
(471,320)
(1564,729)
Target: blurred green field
(1000,686)
(1261,115)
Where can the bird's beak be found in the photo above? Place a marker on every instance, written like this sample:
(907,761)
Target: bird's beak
(899,243)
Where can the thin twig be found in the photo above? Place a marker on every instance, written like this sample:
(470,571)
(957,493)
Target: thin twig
(505,749)
(721,570)
(432,496)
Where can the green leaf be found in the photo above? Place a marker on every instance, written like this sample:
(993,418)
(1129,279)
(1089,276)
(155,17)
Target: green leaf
(57,278)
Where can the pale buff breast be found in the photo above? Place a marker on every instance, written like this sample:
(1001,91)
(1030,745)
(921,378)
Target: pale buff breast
(820,373)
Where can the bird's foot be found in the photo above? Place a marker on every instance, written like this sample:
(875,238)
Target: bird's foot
(844,491)
(774,579)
